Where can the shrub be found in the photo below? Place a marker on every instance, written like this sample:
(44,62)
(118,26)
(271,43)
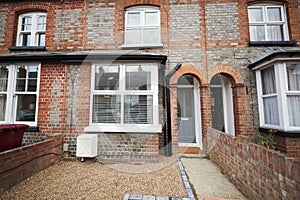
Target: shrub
(266,140)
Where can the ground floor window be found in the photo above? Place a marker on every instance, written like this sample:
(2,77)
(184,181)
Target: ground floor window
(124,96)
(279,96)
(19,86)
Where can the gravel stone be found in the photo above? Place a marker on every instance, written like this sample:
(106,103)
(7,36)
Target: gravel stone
(93,180)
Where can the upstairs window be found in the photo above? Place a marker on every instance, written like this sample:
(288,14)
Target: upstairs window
(142,26)
(31,29)
(267,23)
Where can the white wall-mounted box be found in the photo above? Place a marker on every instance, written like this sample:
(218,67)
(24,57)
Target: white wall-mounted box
(87,146)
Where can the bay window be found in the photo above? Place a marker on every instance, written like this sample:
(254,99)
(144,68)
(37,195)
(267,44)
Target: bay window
(279,96)
(19,86)
(267,22)
(124,98)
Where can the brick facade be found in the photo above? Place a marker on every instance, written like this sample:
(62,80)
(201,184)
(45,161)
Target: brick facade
(206,37)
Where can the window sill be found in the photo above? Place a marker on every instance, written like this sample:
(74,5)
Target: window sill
(141,46)
(33,129)
(283,133)
(273,43)
(26,48)
(128,128)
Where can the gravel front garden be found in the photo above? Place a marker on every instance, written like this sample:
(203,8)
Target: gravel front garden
(93,180)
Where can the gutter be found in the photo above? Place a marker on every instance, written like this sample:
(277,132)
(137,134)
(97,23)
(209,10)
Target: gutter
(168,140)
(80,57)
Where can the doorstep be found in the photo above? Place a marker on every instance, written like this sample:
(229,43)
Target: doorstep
(189,150)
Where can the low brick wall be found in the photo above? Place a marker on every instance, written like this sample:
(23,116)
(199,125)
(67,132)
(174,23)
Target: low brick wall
(19,163)
(128,147)
(32,137)
(258,172)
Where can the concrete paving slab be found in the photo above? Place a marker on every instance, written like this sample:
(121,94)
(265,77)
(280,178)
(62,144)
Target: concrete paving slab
(207,180)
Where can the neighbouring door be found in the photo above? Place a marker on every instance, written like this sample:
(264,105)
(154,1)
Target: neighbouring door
(186,115)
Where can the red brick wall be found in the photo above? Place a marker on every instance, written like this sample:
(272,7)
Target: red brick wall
(20,163)
(289,145)
(258,172)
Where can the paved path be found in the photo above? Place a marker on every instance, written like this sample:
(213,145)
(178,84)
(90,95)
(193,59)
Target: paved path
(208,181)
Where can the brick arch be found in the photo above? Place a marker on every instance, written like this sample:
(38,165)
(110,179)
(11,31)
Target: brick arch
(259,1)
(33,7)
(233,74)
(129,4)
(188,70)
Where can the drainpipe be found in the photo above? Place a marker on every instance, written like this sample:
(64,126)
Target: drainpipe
(168,141)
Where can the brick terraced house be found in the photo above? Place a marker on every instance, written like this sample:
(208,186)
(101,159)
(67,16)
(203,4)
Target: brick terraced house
(149,77)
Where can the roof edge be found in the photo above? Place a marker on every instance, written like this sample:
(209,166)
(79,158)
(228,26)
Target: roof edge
(289,54)
(81,57)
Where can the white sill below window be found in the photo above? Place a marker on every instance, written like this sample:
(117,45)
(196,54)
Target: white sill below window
(141,46)
(124,128)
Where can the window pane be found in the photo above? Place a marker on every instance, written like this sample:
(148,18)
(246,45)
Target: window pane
(26,23)
(268,81)
(138,77)
(21,72)
(138,109)
(134,18)
(20,86)
(107,77)
(3,78)
(151,18)
(41,23)
(293,76)
(32,71)
(26,39)
(257,33)
(133,36)
(294,110)
(271,110)
(21,78)
(26,105)
(255,15)
(2,106)
(106,109)
(217,109)
(274,14)
(41,39)
(151,36)
(275,32)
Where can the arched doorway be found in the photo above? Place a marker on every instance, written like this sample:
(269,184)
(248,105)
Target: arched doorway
(189,115)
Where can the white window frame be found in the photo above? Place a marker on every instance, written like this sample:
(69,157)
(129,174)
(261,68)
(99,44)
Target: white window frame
(155,127)
(227,104)
(12,95)
(142,10)
(281,93)
(34,32)
(265,21)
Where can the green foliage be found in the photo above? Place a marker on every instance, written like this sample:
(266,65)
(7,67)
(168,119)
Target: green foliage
(207,156)
(266,140)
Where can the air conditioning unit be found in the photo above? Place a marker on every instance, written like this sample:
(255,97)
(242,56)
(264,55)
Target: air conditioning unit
(87,146)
